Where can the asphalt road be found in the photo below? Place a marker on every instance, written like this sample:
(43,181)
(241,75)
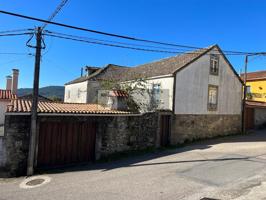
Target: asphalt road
(225,168)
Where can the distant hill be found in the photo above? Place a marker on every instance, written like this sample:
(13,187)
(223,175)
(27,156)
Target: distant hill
(49,91)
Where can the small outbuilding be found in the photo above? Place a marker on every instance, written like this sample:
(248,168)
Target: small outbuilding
(72,133)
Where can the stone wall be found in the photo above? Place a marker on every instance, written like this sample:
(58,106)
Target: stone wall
(2,152)
(129,133)
(193,127)
(114,134)
(16,139)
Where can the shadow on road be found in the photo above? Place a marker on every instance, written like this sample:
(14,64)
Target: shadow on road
(136,160)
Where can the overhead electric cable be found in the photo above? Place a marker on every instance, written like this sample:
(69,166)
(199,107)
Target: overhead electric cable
(128,47)
(110,34)
(14,34)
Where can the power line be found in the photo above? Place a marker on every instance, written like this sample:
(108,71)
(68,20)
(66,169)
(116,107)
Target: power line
(110,34)
(59,7)
(14,34)
(111,41)
(108,44)
(128,47)
(10,53)
(16,30)
(16,60)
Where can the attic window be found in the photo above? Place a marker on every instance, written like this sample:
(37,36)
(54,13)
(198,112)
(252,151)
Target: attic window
(214,64)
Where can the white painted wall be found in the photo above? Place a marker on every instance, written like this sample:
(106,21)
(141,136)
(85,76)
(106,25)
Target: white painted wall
(166,95)
(166,100)
(192,88)
(78,92)
(3,105)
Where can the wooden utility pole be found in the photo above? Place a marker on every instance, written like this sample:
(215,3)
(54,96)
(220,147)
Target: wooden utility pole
(244,97)
(33,132)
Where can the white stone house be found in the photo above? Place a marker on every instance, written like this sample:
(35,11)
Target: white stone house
(201,88)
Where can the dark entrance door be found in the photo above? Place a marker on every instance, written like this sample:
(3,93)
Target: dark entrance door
(249,116)
(164,130)
(62,143)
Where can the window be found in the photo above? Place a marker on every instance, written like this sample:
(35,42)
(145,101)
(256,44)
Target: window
(156,91)
(212,97)
(214,64)
(248,90)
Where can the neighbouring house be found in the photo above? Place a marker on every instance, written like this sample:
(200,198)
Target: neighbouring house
(201,89)
(255,114)
(256,85)
(7,95)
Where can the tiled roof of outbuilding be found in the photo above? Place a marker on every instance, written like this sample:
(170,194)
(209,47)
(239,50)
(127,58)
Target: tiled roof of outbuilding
(24,106)
(118,93)
(7,95)
(256,104)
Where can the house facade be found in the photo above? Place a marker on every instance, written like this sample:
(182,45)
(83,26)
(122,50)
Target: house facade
(201,88)
(256,85)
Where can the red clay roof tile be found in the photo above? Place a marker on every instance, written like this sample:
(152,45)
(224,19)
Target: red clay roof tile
(24,106)
(7,94)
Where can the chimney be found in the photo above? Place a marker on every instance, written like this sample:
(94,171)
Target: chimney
(8,82)
(14,87)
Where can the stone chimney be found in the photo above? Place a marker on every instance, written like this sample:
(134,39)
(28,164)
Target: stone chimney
(8,82)
(14,87)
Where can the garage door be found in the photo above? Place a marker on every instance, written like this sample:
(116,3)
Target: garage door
(62,143)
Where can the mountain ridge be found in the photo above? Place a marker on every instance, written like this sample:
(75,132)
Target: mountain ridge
(48,91)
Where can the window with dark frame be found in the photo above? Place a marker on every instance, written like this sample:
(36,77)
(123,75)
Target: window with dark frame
(212,97)
(214,64)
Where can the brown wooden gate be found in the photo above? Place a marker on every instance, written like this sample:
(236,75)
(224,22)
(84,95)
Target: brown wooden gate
(249,117)
(62,143)
(164,130)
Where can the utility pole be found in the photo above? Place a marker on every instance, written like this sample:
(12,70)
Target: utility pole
(33,132)
(244,97)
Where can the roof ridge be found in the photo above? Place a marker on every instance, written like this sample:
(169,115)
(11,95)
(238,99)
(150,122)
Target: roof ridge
(178,55)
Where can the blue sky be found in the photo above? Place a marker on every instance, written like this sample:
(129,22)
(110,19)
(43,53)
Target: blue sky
(234,25)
